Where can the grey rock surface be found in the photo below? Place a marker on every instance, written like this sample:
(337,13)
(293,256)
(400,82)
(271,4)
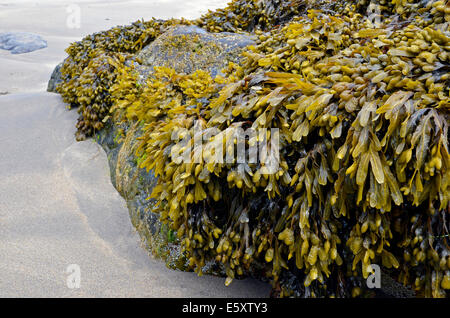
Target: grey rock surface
(21,42)
(135,186)
(55,78)
(189,48)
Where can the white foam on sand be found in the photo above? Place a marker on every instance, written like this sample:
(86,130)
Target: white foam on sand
(57,204)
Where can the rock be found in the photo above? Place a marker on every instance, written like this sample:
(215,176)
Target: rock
(392,288)
(135,186)
(189,48)
(21,42)
(55,79)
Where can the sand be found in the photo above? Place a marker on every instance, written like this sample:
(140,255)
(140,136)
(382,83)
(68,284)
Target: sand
(57,204)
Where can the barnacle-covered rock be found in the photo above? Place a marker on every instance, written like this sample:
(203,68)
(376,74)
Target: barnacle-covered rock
(359,100)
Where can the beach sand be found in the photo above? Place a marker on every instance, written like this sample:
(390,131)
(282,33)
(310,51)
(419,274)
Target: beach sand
(57,204)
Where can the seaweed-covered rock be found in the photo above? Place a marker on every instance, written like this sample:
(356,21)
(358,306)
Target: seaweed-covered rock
(187,48)
(362,110)
(190,48)
(21,42)
(89,70)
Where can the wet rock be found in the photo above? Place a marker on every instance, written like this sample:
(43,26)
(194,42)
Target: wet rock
(55,78)
(21,42)
(135,186)
(390,288)
(189,48)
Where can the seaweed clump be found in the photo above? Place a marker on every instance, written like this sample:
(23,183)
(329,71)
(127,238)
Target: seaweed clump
(361,105)
(263,15)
